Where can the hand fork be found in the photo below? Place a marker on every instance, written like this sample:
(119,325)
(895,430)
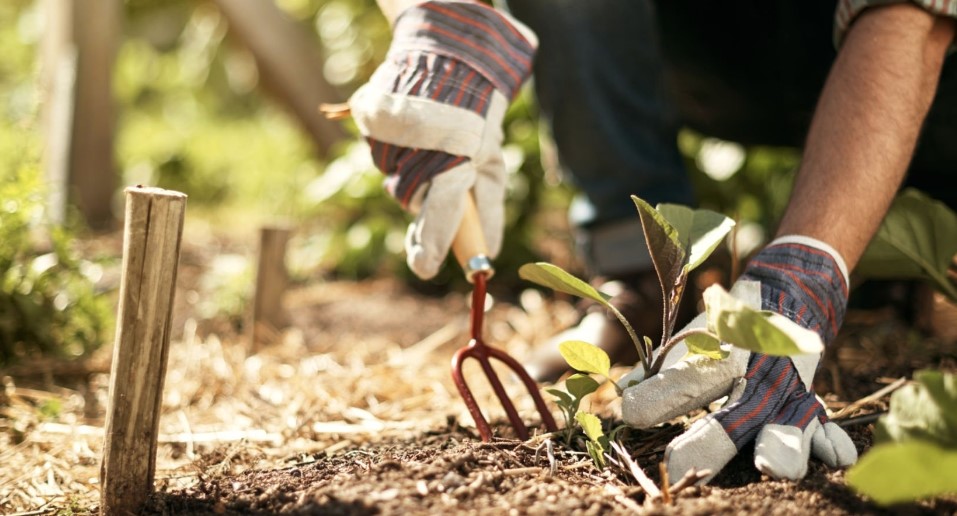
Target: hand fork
(471,252)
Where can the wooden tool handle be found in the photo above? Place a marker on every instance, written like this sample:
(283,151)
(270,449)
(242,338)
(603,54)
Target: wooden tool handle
(469,246)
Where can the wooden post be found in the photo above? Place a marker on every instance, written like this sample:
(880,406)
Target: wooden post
(271,283)
(152,234)
(79,49)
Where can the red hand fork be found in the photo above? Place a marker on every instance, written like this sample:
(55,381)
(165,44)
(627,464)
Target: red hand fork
(471,252)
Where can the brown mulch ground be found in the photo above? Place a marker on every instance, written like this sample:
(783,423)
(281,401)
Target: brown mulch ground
(351,410)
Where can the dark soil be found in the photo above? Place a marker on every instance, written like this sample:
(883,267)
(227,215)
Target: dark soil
(448,469)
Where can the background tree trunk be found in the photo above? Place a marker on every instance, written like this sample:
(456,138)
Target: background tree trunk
(289,62)
(79,49)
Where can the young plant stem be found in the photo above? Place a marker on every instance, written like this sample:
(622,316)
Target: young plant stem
(671,301)
(682,335)
(639,345)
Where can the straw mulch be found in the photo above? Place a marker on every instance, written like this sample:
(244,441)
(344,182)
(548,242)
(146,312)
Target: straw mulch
(360,363)
(351,410)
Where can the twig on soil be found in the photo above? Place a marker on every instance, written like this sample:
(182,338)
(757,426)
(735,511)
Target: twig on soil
(226,436)
(514,472)
(552,462)
(550,454)
(33,513)
(692,477)
(513,460)
(499,444)
(871,398)
(630,504)
(665,482)
(190,451)
(646,483)
(534,442)
(339,446)
(578,465)
(461,460)
(864,419)
(365,427)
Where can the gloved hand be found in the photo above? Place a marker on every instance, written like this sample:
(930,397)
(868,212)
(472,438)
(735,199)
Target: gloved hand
(770,400)
(432,114)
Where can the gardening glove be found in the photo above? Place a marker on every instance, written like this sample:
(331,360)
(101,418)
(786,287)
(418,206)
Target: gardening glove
(432,114)
(770,400)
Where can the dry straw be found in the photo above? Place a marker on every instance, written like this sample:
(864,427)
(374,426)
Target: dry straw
(226,411)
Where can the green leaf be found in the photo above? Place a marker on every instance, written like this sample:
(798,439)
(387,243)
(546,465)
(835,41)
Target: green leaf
(668,255)
(581,385)
(707,345)
(556,278)
(585,357)
(925,410)
(762,332)
(699,231)
(918,238)
(655,224)
(591,425)
(902,472)
(563,399)
(596,453)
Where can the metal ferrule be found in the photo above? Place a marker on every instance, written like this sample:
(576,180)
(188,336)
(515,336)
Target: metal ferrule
(477,264)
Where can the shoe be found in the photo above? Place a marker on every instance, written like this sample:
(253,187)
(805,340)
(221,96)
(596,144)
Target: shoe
(637,296)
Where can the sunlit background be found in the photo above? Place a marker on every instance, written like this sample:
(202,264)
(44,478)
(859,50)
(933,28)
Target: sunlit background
(204,106)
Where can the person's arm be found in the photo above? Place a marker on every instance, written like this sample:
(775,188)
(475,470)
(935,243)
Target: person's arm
(859,146)
(866,125)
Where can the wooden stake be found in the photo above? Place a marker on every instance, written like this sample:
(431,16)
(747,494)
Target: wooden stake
(271,283)
(152,235)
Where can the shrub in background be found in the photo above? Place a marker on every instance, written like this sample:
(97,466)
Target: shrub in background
(48,303)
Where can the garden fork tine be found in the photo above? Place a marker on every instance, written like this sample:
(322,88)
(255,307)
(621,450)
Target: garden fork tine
(469,249)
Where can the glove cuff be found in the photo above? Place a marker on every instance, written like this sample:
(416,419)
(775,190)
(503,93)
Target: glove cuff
(819,245)
(804,280)
(494,44)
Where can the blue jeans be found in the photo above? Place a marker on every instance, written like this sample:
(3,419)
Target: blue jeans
(602,96)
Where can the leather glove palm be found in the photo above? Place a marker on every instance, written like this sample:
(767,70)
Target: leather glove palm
(770,399)
(432,114)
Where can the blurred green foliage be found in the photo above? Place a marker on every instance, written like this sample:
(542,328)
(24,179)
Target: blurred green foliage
(192,118)
(749,184)
(47,299)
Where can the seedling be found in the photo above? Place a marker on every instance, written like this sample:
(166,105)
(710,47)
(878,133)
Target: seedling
(597,442)
(679,239)
(916,441)
(578,385)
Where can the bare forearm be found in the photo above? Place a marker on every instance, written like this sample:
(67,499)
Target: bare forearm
(866,126)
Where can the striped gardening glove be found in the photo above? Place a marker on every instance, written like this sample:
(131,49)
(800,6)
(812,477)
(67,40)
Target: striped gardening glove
(770,401)
(432,114)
